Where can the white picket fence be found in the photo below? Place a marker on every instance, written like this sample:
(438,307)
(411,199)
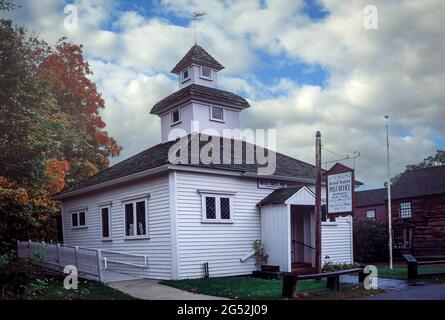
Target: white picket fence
(89,262)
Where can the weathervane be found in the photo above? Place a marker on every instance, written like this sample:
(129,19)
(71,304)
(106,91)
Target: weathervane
(196,17)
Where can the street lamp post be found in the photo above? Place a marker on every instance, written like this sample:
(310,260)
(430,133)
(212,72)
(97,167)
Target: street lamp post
(388,186)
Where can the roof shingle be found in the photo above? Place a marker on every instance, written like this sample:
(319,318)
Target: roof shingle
(199,93)
(157,156)
(197,55)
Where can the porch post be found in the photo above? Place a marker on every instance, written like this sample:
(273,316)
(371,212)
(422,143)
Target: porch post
(318,202)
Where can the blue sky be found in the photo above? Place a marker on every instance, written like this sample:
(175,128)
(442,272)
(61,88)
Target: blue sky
(303,65)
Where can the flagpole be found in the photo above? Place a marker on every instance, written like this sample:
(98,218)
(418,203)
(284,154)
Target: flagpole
(388,186)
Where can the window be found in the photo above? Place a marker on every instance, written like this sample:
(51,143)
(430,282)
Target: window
(175,116)
(405,210)
(216,113)
(402,238)
(370,214)
(78,219)
(185,75)
(136,222)
(206,73)
(217,208)
(106,222)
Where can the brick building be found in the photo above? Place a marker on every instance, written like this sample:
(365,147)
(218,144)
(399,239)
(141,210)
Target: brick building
(418,211)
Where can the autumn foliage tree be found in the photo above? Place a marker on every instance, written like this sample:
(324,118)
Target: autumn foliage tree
(51,133)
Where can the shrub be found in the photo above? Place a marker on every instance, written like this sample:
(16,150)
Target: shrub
(370,241)
(16,274)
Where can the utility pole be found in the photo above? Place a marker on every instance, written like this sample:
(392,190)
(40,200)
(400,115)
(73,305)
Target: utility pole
(318,202)
(388,186)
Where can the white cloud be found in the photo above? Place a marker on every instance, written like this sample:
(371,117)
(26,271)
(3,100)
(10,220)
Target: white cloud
(396,70)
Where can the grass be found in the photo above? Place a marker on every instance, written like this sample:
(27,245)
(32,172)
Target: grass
(50,287)
(345,293)
(400,271)
(241,287)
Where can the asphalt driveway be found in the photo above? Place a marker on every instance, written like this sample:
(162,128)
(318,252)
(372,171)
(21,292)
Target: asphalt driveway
(425,292)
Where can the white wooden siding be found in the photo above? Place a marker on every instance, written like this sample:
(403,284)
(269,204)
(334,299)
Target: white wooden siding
(275,235)
(337,240)
(221,245)
(157,247)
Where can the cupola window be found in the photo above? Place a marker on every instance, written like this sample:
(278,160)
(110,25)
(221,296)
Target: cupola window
(175,116)
(206,73)
(185,75)
(216,113)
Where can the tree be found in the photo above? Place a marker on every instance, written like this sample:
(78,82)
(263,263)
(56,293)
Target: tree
(51,134)
(432,161)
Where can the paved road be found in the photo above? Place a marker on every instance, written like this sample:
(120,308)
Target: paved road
(426,292)
(149,289)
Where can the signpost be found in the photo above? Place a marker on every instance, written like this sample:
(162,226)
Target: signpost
(340,190)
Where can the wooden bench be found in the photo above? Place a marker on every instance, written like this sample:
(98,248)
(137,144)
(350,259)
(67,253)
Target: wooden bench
(412,263)
(290,280)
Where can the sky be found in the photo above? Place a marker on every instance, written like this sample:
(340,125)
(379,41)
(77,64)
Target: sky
(303,66)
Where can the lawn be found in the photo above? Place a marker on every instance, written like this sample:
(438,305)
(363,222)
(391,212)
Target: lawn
(400,272)
(50,287)
(242,287)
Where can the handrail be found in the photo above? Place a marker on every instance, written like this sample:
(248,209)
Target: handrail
(247,256)
(106,260)
(303,244)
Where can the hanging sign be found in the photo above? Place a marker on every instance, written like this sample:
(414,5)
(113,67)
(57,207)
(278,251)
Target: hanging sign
(339,189)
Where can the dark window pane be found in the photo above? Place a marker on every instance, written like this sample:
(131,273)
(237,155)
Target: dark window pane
(81,218)
(217,113)
(105,223)
(225,208)
(175,116)
(185,74)
(210,208)
(140,218)
(74,220)
(129,224)
(206,72)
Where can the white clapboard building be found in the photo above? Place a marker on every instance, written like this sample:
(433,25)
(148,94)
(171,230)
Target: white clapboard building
(194,216)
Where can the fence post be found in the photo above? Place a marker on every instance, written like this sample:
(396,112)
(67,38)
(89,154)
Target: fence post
(18,245)
(76,257)
(99,264)
(29,248)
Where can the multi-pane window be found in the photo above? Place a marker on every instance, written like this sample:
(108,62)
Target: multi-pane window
(106,222)
(405,210)
(216,113)
(402,237)
(370,214)
(78,219)
(175,116)
(206,73)
(136,219)
(217,208)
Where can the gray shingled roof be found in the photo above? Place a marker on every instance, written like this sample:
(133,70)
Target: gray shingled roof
(157,156)
(420,182)
(197,55)
(278,196)
(199,93)
(370,197)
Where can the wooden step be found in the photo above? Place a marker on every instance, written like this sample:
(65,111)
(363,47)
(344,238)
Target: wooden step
(301,265)
(302,271)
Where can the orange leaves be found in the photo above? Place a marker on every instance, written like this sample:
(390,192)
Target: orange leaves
(8,191)
(55,171)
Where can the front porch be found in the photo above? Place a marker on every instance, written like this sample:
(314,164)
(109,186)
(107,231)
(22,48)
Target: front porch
(288,232)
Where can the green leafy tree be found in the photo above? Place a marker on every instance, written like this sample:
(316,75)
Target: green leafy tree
(432,161)
(51,134)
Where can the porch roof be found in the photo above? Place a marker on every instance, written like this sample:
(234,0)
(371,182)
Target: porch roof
(281,196)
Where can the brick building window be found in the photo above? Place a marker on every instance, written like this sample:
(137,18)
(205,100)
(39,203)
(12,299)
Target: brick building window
(405,210)
(370,214)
